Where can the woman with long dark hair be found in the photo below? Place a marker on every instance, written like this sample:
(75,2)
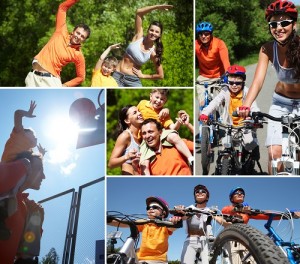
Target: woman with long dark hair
(284,54)
(142,49)
(128,142)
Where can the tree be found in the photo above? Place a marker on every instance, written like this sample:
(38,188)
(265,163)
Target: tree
(51,257)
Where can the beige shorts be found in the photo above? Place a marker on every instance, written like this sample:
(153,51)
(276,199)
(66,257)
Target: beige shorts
(33,80)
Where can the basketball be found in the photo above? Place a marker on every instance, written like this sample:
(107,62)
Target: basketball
(81,110)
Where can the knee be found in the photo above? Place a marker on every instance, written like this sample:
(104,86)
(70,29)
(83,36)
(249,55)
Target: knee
(274,152)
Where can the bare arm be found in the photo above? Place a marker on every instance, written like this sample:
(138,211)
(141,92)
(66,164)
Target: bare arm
(104,55)
(139,17)
(117,158)
(259,77)
(19,114)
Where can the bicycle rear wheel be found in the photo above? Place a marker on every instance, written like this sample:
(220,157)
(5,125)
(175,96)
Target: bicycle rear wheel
(205,150)
(247,245)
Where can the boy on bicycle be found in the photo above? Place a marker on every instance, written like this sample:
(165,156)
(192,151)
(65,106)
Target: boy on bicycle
(233,95)
(154,243)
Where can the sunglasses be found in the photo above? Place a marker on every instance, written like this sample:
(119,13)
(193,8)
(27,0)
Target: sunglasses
(154,207)
(205,33)
(238,193)
(236,83)
(283,23)
(200,191)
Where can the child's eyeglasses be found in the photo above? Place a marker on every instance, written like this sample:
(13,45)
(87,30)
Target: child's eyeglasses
(283,23)
(205,33)
(154,207)
(236,83)
(200,191)
(238,193)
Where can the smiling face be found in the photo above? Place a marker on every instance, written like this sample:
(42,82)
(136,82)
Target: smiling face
(154,210)
(235,83)
(78,36)
(154,32)
(134,117)
(200,195)
(151,135)
(205,37)
(157,100)
(283,27)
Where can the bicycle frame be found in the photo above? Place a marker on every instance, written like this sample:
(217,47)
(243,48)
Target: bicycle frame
(288,159)
(288,248)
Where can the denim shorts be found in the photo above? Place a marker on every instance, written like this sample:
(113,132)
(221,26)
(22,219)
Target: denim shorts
(126,80)
(280,106)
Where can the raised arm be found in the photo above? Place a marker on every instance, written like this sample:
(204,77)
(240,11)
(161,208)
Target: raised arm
(61,15)
(104,55)
(19,114)
(139,17)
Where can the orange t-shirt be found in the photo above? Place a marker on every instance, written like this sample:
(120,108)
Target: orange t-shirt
(171,162)
(154,245)
(58,52)
(214,61)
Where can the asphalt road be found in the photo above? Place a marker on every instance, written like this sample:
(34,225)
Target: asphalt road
(264,100)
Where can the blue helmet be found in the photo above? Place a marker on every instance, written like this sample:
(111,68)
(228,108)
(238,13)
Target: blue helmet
(233,191)
(204,26)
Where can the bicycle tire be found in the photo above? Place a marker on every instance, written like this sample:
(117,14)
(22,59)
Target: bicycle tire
(225,168)
(205,150)
(261,249)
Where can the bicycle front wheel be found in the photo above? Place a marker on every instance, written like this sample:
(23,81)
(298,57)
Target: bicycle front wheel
(245,244)
(205,150)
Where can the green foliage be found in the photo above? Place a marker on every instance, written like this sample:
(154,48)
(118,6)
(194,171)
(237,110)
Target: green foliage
(51,257)
(26,26)
(240,24)
(178,99)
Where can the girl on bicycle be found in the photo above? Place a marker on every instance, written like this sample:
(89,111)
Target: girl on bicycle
(198,228)
(128,142)
(142,48)
(284,54)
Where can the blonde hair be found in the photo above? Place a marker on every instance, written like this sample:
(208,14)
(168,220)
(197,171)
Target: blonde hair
(111,61)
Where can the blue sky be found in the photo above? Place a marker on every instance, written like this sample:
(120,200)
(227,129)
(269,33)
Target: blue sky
(65,166)
(128,195)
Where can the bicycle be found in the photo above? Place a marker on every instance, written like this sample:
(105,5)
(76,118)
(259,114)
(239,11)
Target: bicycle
(256,247)
(206,136)
(209,234)
(290,142)
(127,253)
(233,158)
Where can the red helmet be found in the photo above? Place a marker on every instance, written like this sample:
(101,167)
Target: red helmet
(237,70)
(281,7)
(160,201)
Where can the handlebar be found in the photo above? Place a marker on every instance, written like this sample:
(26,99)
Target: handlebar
(271,213)
(286,119)
(187,211)
(135,220)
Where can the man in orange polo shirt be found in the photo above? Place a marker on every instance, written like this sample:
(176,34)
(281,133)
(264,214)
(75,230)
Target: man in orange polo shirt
(165,159)
(212,56)
(24,222)
(61,49)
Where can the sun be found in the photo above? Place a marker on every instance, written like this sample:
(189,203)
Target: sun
(61,134)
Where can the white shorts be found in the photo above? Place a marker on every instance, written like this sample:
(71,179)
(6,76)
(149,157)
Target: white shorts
(280,106)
